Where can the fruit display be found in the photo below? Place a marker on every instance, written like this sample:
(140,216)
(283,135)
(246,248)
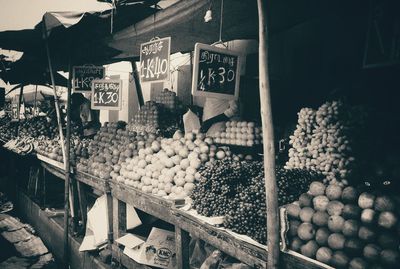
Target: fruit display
(51,148)
(20,145)
(168,167)
(240,133)
(168,99)
(345,228)
(38,126)
(293,182)
(7,129)
(321,142)
(110,146)
(235,189)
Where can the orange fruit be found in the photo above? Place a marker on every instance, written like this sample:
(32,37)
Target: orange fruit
(306,231)
(309,249)
(324,255)
(306,214)
(335,223)
(321,236)
(336,241)
(320,218)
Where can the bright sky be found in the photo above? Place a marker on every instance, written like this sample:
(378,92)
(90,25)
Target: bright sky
(25,14)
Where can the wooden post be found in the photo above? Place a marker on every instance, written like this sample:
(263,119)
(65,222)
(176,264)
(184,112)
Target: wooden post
(35,103)
(67,172)
(182,241)
(21,93)
(136,78)
(110,236)
(64,151)
(269,149)
(57,107)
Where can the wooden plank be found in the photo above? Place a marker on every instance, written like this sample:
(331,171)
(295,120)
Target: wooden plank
(182,241)
(119,219)
(222,240)
(290,259)
(155,206)
(82,202)
(53,170)
(52,162)
(94,182)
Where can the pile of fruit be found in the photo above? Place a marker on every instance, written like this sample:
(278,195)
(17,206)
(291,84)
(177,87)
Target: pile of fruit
(236,189)
(321,142)
(168,167)
(8,129)
(240,133)
(38,126)
(293,182)
(345,229)
(51,148)
(168,99)
(112,145)
(20,145)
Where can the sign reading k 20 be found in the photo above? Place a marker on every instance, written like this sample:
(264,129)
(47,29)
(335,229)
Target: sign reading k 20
(154,60)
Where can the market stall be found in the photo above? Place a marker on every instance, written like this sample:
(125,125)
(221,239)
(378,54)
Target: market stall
(165,191)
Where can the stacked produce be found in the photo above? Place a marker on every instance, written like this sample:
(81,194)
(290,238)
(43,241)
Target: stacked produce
(152,118)
(38,126)
(20,145)
(240,133)
(343,228)
(168,99)
(8,130)
(235,189)
(321,142)
(112,145)
(51,148)
(168,167)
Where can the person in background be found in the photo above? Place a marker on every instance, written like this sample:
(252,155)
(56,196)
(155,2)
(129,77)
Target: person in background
(86,118)
(216,112)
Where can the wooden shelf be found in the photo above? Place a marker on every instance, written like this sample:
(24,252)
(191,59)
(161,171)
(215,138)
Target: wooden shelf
(150,204)
(184,223)
(92,181)
(221,239)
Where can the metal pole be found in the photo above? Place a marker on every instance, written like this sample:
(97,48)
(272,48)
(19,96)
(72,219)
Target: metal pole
(269,149)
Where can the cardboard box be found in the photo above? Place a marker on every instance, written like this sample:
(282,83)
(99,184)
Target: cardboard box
(158,250)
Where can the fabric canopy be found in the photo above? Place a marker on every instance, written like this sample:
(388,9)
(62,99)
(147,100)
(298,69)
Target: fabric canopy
(73,37)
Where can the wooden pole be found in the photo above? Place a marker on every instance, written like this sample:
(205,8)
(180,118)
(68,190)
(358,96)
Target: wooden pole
(65,159)
(67,172)
(136,78)
(21,93)
(35,103)
(57,107)
(269,146)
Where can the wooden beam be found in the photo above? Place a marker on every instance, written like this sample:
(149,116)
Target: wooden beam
(182,241)
(269,146)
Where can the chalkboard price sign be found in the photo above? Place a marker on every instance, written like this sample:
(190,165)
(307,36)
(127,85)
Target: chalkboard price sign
(106,94)
(84,75)
(216,72)
(154,60)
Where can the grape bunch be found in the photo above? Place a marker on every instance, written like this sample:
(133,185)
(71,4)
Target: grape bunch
(321,142)
(293,182)
(234,189)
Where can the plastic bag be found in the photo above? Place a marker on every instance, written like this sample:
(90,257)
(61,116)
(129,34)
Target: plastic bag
(191,121)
